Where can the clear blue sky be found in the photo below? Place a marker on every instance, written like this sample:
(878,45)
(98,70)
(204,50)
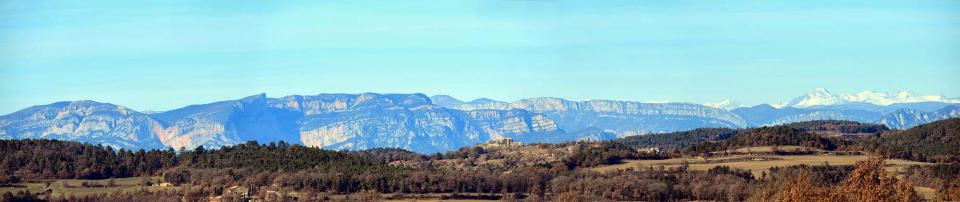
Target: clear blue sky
(167,54)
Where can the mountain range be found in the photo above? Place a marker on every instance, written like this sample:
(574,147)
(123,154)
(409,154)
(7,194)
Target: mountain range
(823,97)
(439,123)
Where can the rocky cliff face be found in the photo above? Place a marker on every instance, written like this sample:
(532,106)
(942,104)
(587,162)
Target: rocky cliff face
(621,117)
(403,121)
(908,118)
(765,115)
(87,121)
(333,121)
(226,123)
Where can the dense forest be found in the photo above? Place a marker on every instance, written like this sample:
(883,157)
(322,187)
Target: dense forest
(53,159)
(768,136)
(838,126)
(678,140)
(810,133)
(537,172)
(934,142)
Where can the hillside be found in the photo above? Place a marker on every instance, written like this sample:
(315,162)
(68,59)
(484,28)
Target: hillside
(847,130)
(934,142)
(678,140)
(838,126)
(768,136)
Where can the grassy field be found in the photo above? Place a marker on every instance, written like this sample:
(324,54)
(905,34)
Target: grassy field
(756,164)
(926,192)
(76,188)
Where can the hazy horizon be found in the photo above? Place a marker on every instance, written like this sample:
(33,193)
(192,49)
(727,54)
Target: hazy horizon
(155,56)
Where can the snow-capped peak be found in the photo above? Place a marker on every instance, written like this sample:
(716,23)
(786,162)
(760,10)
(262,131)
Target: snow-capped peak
(725,104)
(820,96)
(881,98)
(779,105)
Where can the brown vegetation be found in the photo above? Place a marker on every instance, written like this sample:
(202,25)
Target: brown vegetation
(867,182)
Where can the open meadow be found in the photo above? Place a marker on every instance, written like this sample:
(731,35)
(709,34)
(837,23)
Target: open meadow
(755,163)
(73,187)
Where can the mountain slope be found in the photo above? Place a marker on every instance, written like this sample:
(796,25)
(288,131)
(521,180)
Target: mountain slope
(341,121)
(908,118)
(823,97)
(725,104)
(934,142)
(765,115)
(228,122)
(884,109)
(621,117)
(330,121)
(415,122)
(817,96)
(85,121)
(446,101)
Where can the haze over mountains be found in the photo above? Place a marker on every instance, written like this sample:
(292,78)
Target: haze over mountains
(440,123)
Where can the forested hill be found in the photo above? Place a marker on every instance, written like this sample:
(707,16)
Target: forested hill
(678,140)
(810,133)
(838,126)
(768,136)
(934,142)
(53,159)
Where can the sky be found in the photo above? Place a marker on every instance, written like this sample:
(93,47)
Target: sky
(162,55)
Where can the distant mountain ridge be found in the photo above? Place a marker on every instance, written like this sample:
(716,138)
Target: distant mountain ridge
(333,121)
(866,106)
(909,118)
(823,97)
(85,121)
(620,117)
(426,124)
